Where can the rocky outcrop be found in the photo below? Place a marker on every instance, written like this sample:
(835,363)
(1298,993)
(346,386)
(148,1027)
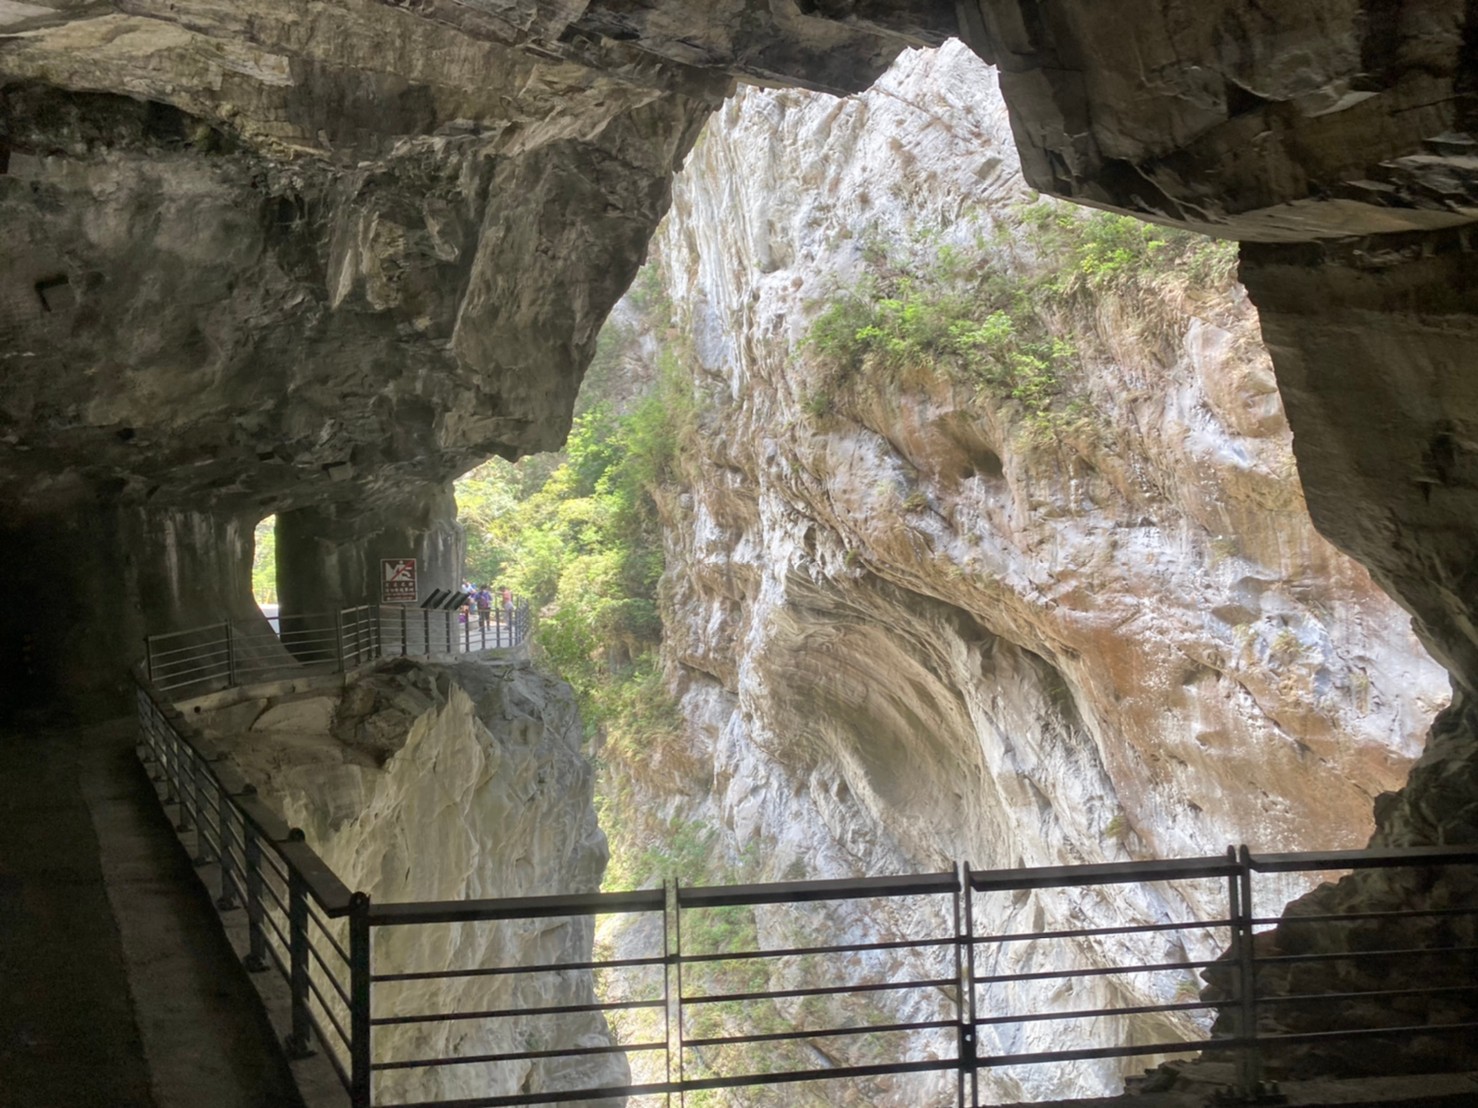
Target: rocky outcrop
(422,782)
(264,258)
(906,629)
(1337,138)
(1317,120)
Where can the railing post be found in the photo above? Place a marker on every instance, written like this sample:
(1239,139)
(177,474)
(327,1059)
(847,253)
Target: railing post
(361,1085)
(256,957)
(674,929)
(197,792)
(299,1041)
(339,640)
(404,621)
(230,654)
(965,976)
(149,657)
(1239,896)
(226,902)
(183,787)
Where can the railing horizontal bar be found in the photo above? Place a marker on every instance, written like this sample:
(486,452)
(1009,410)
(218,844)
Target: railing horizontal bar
(272,866)
(1096,971)
(194,651)
(1367,1032)
(279,899)
(1364,859)
(272,923)
(499,971)
(1102,873)
(1086,1053)
(323,1003)
(190,663)
(255,811)
(1094,1013)
(1346,955)
(332,1055)
(211,628)
(504,1013)
(824,1033)
(323,883)
(842,948)
(1354,917)
(802,892)
(228,779)
(1311,998)
(514,1100)
(1086,932)
(527,907)
(176,675)
(838,1073)
(821,990)
(329,935)
(520,1056)
(328,973)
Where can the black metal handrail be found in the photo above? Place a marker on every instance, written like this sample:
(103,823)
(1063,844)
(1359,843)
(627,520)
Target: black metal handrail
(234,653)
(706,1034)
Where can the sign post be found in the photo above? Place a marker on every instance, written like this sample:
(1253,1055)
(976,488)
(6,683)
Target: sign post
(398,581)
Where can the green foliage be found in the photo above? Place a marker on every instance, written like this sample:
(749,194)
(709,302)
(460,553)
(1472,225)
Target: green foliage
(579,534)
(264,562)
(945,308)
(1103,251)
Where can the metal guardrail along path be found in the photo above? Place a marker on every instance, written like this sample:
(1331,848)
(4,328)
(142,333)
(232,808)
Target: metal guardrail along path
(714,1009)
(233,653)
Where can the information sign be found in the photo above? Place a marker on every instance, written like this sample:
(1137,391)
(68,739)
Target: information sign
(398,580)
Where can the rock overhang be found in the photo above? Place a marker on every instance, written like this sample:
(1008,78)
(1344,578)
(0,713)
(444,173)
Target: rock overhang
(270,256)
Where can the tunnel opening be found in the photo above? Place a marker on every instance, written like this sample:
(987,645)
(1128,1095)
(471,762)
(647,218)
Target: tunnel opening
(264,567)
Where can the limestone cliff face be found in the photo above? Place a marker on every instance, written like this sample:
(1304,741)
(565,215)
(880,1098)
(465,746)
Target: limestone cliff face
(424,782)
(904,633)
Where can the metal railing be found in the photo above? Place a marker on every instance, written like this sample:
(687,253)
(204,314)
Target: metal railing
(421,631)
(711,1007)
(232,653)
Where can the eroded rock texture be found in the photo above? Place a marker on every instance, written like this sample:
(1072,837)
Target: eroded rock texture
(1339,137)
(907,631)
(1279,123)
(273,257)
(446,782)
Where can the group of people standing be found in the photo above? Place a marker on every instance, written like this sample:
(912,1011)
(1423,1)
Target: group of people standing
(480,599)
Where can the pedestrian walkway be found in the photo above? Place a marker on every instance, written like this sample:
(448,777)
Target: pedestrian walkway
(117,987)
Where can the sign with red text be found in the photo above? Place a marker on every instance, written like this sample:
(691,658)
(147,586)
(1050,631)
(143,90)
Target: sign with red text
(398,580)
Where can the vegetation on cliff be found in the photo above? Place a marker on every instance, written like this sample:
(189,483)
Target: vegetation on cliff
(996,314)
(580,533)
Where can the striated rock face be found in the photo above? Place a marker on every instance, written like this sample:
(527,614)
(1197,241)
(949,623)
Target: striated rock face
(426,782)
(906,631)
(1337,137)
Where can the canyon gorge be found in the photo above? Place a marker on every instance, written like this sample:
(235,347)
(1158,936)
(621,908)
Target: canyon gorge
(1024,585)
(915,614)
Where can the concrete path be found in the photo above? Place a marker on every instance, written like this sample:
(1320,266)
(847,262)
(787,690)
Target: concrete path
(117,986)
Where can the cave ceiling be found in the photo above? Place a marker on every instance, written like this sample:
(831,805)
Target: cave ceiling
(261,253)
